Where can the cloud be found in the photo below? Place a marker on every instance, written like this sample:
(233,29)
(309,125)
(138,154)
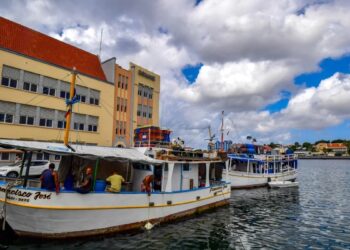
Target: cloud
(251,52)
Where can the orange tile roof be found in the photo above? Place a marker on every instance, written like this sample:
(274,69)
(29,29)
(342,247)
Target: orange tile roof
(28,42)
(336,145)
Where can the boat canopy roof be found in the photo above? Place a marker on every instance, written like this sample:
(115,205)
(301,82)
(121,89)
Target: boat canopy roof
(83,151)
(243,158)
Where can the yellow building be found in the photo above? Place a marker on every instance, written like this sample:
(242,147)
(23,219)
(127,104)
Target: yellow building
(145,97)
(35,73)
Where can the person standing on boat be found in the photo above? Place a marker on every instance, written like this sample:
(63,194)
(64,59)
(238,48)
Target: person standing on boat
(86,187)
(146,184)
(49,179)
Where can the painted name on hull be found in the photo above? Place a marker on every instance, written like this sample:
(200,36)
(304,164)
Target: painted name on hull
(23,196)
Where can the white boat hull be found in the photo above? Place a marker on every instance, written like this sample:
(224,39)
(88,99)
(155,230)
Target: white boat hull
(249,180)
(283,184)
(71,214)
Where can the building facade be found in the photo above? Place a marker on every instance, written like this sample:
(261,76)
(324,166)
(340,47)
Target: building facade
(35,72)
(145,97)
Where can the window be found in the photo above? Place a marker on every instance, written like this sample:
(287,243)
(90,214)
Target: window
(139,92)
(94,101)
(150,115)
(150,96)
(64,94)
(144,114)
(49,91)
(138,113)
(29,120)
(61,124)
(145,94)
(8,118)
(5,156)
(92,128)
(39,156)
(82,98)
(78,126)
(30,86)
(118,84)
(57,157)
(45,122)
(6,81)
(46,156)
(186,167)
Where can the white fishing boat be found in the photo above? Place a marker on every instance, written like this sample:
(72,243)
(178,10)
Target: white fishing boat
(282,184)
(183,188)
(247,171)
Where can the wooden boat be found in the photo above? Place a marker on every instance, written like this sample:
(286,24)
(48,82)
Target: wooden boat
(181,187)
(247,171)
(282,184)
(181,190)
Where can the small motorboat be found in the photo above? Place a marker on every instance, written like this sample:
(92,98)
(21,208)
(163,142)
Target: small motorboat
(282,184)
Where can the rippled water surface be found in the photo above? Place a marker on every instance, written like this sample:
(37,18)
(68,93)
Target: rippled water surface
(314,216)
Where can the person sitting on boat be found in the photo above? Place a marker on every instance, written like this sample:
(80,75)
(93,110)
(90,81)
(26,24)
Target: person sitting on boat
(116,181)
(49,179)
(146,184)
(86,187)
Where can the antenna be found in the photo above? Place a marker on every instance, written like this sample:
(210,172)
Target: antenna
(222,131)
(100,49)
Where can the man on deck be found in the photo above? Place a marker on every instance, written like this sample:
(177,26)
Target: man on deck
(49,179)
(116,182)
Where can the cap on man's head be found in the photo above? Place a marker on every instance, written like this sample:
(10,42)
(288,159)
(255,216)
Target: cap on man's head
(52,165)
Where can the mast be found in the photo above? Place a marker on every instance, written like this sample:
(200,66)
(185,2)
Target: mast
(70,103)
(222,131)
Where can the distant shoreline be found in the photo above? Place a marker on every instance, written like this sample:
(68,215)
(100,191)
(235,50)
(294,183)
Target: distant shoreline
(324,157)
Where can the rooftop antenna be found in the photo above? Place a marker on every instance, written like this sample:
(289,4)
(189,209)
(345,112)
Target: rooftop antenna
(100,49)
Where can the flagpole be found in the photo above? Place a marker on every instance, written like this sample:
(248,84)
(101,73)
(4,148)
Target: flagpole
(70,107)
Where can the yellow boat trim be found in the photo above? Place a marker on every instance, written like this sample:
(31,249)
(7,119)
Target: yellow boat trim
(109,207)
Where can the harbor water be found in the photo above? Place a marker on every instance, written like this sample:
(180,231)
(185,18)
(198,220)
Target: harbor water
(314,216)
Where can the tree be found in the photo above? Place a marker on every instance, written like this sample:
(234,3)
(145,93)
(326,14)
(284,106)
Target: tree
(322,141)
(308,146)
(272,145)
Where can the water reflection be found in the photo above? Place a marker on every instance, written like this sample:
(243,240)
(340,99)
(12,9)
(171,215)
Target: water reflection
(315,215)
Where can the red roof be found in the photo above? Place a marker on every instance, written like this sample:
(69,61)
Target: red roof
(28,42)
(336,145)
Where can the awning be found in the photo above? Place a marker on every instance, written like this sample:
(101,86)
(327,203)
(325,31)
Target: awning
(89,152)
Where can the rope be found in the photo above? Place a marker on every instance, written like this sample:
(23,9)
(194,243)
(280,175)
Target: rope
(3,211)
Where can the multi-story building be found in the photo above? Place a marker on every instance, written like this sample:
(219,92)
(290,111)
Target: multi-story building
(35,72)
(137,100)
(145,97)
(335,148)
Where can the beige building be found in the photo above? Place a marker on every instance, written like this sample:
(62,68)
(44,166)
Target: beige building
(35,74)
(146,94)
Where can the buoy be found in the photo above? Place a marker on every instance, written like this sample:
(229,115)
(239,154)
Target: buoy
(149,226)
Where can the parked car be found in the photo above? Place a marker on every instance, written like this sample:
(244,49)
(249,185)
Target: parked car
(13,170)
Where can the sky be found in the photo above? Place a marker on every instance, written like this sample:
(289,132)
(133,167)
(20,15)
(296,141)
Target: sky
(280,70)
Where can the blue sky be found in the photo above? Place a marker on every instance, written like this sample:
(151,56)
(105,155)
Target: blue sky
(245,52)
